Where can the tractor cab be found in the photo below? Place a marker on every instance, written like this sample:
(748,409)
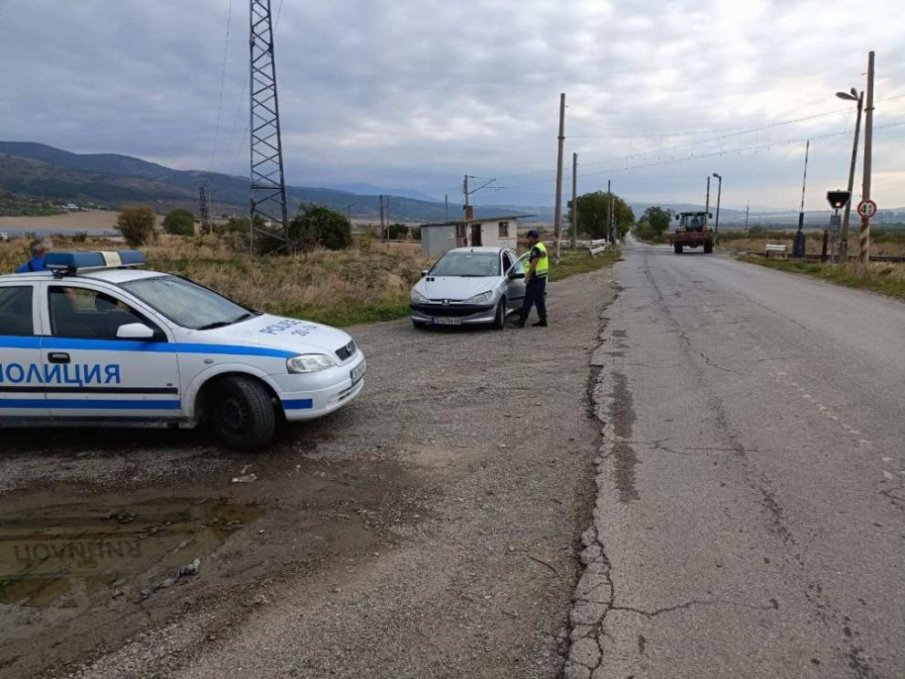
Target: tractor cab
(692,221)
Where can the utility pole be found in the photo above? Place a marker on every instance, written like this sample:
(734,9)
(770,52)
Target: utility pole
(574,200)
(858,97)
(268,186)
(747,210)
(446,207)
(719,194)
(707,200)
(864,236)
(469,214)
(204,205)
(798,247)
(609,211)
(383,232)
(467,209)
(557,212)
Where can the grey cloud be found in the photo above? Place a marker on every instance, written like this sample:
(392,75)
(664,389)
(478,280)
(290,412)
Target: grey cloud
(415,94)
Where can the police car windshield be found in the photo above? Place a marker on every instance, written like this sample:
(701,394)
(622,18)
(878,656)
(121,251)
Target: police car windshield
(187,304)
(468,264)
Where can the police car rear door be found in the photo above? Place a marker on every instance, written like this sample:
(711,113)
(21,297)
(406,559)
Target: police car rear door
(91,371)
(22,391)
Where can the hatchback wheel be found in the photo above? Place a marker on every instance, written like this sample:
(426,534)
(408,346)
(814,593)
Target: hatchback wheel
(499,318)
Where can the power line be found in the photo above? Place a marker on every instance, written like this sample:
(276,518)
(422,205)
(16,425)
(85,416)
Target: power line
(730,132)
(757,147)
(229,18)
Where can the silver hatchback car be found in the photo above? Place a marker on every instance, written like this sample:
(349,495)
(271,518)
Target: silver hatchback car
(469,286)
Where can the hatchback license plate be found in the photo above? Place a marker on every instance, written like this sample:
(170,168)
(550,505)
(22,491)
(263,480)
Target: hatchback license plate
(447,321)
(358,372)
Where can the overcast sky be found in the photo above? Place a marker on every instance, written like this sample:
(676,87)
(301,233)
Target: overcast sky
(416,93)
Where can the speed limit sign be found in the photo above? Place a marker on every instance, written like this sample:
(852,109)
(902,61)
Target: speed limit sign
(867,208)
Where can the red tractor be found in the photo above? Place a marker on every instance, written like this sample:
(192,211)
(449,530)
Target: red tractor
(692,231)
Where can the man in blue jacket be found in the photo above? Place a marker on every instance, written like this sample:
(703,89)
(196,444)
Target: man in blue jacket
(36,263)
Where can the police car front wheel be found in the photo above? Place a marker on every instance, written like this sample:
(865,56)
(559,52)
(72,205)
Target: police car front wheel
(242,414)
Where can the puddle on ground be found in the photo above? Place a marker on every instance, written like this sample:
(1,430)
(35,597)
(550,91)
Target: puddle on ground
(58,562)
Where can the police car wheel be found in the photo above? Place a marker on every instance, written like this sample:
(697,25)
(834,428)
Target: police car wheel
(242,415)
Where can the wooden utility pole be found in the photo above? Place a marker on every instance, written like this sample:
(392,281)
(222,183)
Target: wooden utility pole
(557,212)
(574,200)
(864,236)
(467,213)
(609,211)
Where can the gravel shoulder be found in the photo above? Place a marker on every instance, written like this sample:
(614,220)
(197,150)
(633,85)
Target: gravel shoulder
(430,529)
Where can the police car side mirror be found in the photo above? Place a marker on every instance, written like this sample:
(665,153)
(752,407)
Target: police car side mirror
(134,331)
(423,273)
(513,275)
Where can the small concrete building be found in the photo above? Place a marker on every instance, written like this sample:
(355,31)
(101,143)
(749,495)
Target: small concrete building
(437,239)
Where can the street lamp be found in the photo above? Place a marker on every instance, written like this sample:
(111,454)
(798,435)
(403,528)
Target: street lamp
(719,193)
(858,97)
(349,211)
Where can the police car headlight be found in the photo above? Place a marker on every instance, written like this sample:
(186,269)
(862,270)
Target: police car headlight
(483,298)
(309,363)
(418,298)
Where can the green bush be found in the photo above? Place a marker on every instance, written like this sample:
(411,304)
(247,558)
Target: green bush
(398,231)
(136,224)
(179,223)
(644,231)
(318,226)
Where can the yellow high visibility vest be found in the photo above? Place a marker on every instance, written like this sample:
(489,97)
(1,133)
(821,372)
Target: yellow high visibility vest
(543,264)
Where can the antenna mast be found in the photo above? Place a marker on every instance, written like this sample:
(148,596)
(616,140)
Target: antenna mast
(268,187)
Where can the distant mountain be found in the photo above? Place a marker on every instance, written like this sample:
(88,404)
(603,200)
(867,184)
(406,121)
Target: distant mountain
(37,171)
(371,190)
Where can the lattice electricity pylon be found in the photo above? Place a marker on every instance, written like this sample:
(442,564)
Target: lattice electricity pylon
(268,188)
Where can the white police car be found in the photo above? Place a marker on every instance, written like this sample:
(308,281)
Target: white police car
(97,341)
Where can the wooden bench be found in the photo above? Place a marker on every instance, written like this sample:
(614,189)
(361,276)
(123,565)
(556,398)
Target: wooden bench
(776,250)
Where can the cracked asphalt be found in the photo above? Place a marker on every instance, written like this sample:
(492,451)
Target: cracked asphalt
(751,478)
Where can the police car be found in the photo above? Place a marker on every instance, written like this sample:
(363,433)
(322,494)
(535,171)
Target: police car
(96,340)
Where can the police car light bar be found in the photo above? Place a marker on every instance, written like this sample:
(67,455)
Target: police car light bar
(73,262)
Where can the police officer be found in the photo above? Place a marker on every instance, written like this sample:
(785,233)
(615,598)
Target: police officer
(36,263)
(535,281)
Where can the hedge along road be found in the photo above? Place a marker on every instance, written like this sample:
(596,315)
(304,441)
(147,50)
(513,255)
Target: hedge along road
(429,529)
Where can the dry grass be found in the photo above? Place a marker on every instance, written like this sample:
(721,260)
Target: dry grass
(883,277)
(888,243)
(366,283)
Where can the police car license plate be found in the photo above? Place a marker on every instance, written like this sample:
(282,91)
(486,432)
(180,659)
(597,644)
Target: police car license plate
(358,372)
(442,320)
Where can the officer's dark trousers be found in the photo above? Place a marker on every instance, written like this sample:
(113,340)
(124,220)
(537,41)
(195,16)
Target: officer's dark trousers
(535,292)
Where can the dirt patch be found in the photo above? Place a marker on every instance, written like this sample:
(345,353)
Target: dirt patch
(76,570)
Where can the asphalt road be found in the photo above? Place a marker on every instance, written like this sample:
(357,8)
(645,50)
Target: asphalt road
(750,516)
